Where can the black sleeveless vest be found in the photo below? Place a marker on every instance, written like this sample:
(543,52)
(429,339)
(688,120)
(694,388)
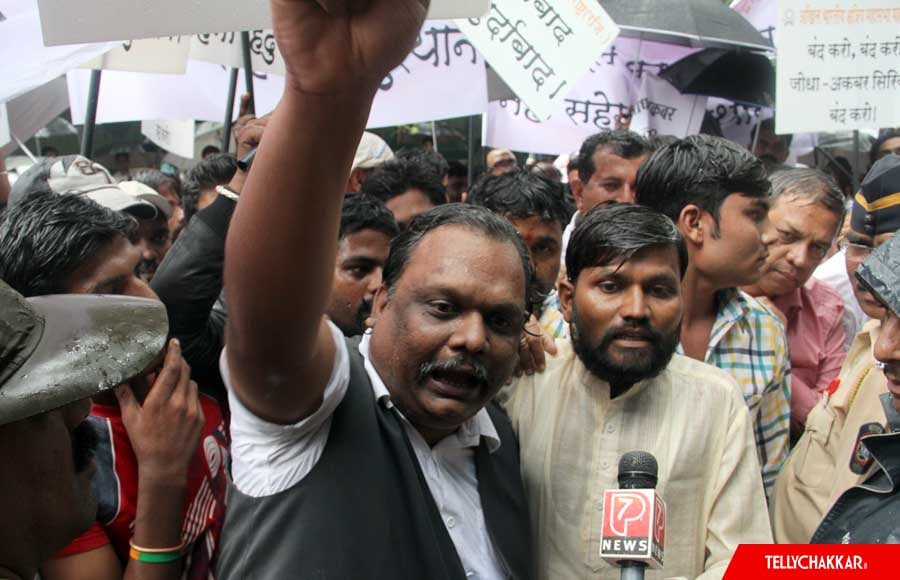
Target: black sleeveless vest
(365,510)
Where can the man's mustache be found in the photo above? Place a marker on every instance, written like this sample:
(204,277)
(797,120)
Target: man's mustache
(459,364)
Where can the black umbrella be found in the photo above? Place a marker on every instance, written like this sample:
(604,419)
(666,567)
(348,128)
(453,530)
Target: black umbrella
(698,23)
(736,75)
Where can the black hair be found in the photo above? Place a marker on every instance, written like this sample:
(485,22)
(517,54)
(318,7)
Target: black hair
(616,231)
(46,237)
(216,170)
(364,212)
(473,217)
(396,177)
(622,143)
(432,159)
(885,135)
(812,184)
(457,169)
(521,194)
(156,179)
(210,150)
(700,170)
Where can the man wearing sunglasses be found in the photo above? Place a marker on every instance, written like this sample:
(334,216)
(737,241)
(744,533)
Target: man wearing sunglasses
(829,458)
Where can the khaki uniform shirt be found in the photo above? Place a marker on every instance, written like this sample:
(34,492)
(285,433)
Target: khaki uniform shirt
(692,418)
(818,469)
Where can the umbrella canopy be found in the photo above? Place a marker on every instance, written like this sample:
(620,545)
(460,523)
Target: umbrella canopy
(698,23)
(736,75)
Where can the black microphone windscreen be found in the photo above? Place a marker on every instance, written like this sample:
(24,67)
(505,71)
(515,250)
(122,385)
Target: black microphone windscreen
(638,470)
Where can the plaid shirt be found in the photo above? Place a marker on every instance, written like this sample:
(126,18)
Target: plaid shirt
(749,342)
(552,319)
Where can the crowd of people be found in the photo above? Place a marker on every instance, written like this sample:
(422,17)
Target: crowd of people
(344,363)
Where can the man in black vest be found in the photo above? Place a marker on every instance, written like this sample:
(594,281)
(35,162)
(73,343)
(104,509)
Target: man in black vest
(379,458)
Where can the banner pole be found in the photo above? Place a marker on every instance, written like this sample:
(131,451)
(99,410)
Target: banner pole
(90,115)
(248,70)
(229,110)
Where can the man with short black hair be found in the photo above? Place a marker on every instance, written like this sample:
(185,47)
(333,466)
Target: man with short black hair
(535,207)
(407,187)
(618,386)
(457,181)
(168,186)
(200,183)
(607,165)
(391,444)
(718,196)
(58,351)
(154,474)
(806,215)
(364,240)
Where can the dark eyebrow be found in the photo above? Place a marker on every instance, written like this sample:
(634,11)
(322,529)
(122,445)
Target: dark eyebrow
(506,308)
(662,279)
(761,203)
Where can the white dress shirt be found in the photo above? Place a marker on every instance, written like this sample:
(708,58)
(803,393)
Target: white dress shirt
(269,458)
(833,272)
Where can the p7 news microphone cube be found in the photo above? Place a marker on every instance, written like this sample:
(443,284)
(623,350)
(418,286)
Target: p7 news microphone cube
(634,524)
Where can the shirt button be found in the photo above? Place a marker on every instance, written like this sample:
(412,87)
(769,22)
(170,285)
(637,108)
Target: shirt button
(605,465)
(610,428)
(451,521)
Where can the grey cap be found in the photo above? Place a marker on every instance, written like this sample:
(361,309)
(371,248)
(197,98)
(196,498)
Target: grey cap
(880,274)
(55,350)
(77,175)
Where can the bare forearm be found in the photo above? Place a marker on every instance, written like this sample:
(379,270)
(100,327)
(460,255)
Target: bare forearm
(283,239)
(158,524)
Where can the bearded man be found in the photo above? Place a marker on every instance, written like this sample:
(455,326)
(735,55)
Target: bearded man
(618,386)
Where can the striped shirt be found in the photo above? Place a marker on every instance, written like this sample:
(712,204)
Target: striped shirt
(551,319)
(749,342)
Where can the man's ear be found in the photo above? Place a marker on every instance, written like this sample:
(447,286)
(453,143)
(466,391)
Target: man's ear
(578,193)
(566,298)
(690,223)
(354,184)
(379,302)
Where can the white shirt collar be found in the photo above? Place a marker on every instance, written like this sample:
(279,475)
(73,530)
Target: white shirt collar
(469,433)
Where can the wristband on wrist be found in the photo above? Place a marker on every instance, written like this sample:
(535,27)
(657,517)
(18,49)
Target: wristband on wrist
(155,555)
(223,190)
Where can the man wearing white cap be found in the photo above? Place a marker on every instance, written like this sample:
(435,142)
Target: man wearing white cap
(372,152)
(153,236)
(77,175)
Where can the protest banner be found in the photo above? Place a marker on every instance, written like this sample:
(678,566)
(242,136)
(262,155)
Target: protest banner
(541,48)
(225,49)
(174,136)
(67,22)
(838,65)
(443,77)
(623,76)
(4,125)
(29,64)
(29,113)
(167,55)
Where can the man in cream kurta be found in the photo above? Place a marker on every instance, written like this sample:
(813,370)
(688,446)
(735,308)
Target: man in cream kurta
(624,310)
(692,418)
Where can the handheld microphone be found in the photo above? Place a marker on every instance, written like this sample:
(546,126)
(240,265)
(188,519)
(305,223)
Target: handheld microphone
(634,518)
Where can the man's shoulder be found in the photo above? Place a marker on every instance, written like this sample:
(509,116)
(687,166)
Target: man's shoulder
(688,373)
